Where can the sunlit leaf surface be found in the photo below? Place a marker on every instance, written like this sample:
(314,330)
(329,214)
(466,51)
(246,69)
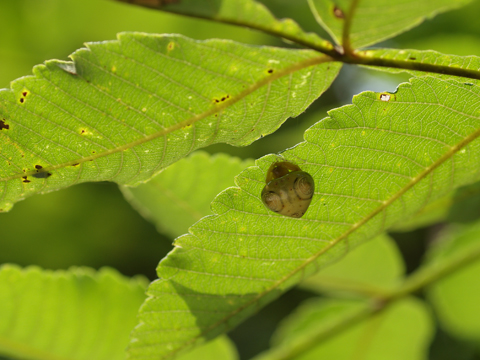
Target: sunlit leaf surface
(126,109)
(78,314)
(377,20)
(374,163)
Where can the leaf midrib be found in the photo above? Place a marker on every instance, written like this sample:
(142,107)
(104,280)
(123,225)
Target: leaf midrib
(427,171)
(190,121)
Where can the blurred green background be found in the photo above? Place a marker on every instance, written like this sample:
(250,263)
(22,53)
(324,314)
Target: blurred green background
(91,224)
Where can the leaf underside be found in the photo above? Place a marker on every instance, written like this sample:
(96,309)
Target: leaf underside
(410,61)
(455,298)
(402,331)
(375,163)
(67,315)
(248,13)
(377,20)
(124,110)
(181,194)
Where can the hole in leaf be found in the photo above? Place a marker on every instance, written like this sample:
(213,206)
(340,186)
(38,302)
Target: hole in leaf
(385,97)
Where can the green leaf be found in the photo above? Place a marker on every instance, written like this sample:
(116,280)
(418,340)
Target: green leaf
(448,43)
(466,204)
(434,212)
(418,62)
(181,194)
(402,331)
(247,13)
(222,348)
(462,205)
(126,109)
(376,20)
(298,10)
(373,267)
(374,163)
(75,314)
(456,297)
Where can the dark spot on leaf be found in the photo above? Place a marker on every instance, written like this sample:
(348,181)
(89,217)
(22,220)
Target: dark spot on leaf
(82,132)
(226,97)
(76,164)
(3,125)
(42,175)
(22,100)
(38,167)
(270,71)
(338,13)
(24,93)
(413,58)
(94,152)
(25,180)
